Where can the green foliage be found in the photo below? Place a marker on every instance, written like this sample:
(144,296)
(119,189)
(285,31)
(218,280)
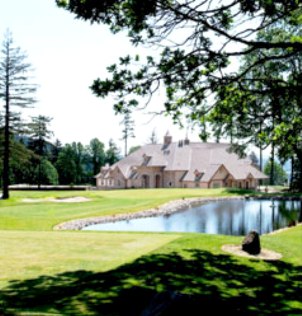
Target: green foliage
(55,150)
(97,152)
(20,160)
(39,134)
(112,153)
(265,104)
(280,176)
(66,165)
(77,164)
(45,173)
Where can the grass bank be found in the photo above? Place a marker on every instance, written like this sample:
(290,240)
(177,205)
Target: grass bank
(42,214)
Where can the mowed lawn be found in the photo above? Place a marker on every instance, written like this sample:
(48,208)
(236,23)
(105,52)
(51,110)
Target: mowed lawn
(46,272)
(42,214)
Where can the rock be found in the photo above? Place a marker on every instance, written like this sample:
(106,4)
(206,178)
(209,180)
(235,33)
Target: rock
(251,243)
(291,223)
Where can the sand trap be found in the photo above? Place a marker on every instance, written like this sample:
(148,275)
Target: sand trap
(74,199)
(265,254)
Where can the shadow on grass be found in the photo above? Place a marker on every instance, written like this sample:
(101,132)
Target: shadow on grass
(164,284)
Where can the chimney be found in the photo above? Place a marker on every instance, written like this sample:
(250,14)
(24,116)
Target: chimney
(187,141)
(167,139)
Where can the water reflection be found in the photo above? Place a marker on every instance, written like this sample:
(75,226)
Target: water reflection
(233,217)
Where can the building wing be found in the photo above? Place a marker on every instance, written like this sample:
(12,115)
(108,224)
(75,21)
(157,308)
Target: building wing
(190,163)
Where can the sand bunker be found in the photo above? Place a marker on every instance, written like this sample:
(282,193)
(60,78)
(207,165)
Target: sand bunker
(74,199)
(265,254)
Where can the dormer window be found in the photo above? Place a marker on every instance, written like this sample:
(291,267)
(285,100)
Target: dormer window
(198,175)
(146,159)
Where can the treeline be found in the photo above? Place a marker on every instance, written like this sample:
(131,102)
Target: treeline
(26,153)
(37,161)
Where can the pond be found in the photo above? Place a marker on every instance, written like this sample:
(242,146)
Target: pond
(228,217)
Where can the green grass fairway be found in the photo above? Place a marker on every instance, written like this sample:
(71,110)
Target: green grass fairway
(121,274)
(44,215)
(26,255)
(46,272)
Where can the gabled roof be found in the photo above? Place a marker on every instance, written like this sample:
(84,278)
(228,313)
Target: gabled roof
(206,158)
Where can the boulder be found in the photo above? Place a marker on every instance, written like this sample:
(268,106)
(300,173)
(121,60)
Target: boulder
(251,243)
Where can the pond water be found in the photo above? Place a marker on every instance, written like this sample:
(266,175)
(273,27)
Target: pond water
(229,217)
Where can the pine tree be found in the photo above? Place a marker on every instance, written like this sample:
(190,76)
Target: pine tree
(128,130)
(39,135)
(15,90)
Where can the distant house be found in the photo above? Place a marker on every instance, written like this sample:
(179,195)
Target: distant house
(180,165)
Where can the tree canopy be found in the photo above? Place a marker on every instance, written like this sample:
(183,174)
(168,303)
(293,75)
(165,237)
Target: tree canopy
(280,176)
(200,42)
(233,65)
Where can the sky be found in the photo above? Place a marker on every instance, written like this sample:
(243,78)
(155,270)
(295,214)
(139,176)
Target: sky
(67,55)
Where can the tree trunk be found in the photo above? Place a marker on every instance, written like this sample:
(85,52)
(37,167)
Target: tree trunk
(272,171)
(5,194)
(299,171)
(260,162)
(260,154)
(291,181)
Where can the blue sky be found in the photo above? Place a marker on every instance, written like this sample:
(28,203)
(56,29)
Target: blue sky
(67,55)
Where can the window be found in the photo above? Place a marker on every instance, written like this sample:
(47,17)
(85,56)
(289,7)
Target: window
(216,185)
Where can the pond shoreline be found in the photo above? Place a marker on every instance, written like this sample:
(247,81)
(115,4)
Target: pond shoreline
(164,209)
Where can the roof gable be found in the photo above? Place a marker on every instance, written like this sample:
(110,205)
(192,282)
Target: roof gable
(207,158)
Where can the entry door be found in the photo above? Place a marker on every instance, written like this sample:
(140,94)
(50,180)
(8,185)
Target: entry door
(157,181)
(146,181)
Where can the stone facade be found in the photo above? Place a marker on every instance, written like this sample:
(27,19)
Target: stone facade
(180,165)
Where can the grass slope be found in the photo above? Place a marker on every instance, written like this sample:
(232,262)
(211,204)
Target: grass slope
(46,272)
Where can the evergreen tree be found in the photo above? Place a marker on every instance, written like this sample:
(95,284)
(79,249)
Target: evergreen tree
(97,153)
(55,150)
(39,135)
(280,176)
(79,156)
(66,165)
(153,138)
(15,90)
(46,173)
(128,129)
(20,161)
(112,153)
